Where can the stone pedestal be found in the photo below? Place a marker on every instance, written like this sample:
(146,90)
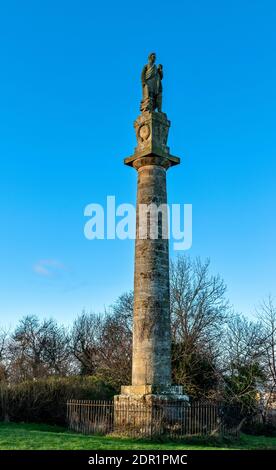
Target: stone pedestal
(151,364)
(148,410)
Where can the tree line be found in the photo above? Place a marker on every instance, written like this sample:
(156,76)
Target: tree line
(217,354)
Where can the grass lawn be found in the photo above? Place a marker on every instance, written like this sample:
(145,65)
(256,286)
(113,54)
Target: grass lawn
(44,437)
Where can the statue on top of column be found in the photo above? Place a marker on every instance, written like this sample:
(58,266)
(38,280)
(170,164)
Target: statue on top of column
(151,85)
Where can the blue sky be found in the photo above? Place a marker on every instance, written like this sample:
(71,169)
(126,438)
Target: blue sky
(70,91)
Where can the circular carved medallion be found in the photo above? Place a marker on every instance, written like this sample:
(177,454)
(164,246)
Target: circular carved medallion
(144,132)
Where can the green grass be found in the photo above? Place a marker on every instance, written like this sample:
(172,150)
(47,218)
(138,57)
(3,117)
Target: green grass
(44,437)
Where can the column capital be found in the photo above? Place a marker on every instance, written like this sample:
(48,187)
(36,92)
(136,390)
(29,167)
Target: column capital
(138,161)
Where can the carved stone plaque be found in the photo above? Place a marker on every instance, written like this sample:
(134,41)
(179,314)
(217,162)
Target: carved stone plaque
(144,132)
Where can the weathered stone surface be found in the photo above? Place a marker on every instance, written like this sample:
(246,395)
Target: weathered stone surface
(151,364)
(152,131)
(148,413)
(151,321)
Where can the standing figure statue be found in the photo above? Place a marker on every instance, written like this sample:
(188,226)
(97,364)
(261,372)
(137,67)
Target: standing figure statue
(151,85)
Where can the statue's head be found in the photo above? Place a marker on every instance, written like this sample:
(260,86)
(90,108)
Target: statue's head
(152,57)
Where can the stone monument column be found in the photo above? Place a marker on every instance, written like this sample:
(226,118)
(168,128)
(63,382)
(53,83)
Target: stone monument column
(151,362)
(151,365)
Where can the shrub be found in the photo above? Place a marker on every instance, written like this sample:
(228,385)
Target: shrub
(44,400)
(259,429)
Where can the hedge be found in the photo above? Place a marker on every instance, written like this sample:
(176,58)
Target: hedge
(44,400)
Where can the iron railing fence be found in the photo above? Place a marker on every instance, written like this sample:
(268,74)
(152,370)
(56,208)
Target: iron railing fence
(174,419)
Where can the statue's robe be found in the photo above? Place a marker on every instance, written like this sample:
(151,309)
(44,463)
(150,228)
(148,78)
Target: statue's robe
(152,81)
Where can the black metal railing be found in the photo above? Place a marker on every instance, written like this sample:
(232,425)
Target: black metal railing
(174,419)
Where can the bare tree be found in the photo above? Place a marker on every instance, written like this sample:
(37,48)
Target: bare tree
(38,349)
(123,310)
(115,352)
(102,343)
(116,349)
(57,353)
(3,354)
(198,312)
(198,304)
(86,341)
(241,372)
(267,317)
(242,341)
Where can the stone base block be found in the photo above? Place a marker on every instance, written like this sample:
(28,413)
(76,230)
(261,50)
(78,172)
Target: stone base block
(140,412)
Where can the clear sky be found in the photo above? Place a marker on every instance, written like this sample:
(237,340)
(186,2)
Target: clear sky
(70,91)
